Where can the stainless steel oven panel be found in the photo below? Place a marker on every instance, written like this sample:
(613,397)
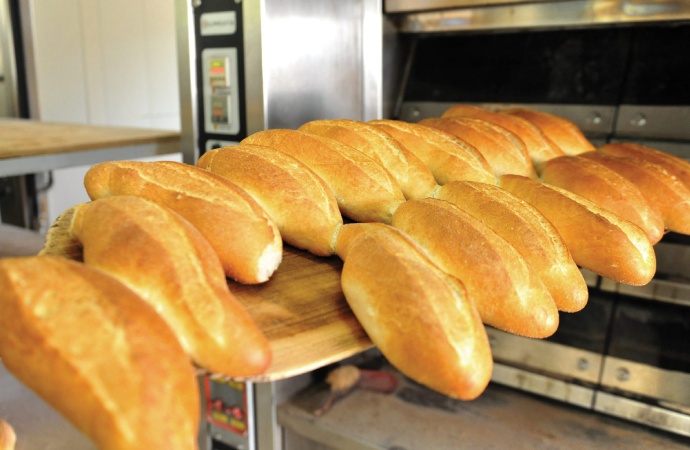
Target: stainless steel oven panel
(642,379)
(636,411)
(654,122)
(546,386)
(660,290)
(545,356)
(532,15)
(594,120)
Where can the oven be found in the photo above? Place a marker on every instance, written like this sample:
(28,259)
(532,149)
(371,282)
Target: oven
(617,68)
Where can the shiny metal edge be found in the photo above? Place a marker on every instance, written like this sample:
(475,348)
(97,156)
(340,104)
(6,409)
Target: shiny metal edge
(398,6)
(654,122)
(543,385)
(8,66)
(643,379)
(253,17)
(594,120)
(186,57)
(656,290)
(372,59)
(545,356)
(572,13)
(642,413)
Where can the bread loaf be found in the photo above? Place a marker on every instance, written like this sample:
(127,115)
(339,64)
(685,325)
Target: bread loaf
(505,152)
(607,188)
(365,191)
(418,316)
(675,165)
(163,258)
(98,354)
(526,229)
(539,148)
(448,158)
(413,176)
(300,203)
(507,293)
(561,132)
(597,239)
(243,236)
(662,190)
(7,436)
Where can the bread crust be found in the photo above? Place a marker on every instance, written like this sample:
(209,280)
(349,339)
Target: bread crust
(607,188)
(532,235)
(162,257)
(507,293)
(675,165)
(505,151)
(417,315)
(413,177)
(560,131)
(597,239)
(448,158)
(365,191)
(7,436)
(242,234)
(98,354)
(662,190)
(539,148)
(300,203)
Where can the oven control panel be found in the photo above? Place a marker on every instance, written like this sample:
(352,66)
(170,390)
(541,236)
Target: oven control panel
(229,412)
(220,91)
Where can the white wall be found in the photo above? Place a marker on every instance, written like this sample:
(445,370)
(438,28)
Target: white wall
(103,62)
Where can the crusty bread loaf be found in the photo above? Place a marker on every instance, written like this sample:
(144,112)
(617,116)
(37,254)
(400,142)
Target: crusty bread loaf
(365,191)
(448,158)
(662,190)
(597,239)
(300,203)
(243,236)
(167,261)
(607,188)
(98,354)
(507,293)
(526,229)
(505,151)
(675,165)
(539,148)
(413,176)
(562,133)
(8,438)
(417,315)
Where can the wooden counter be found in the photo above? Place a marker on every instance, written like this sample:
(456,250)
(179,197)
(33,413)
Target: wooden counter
(28,146)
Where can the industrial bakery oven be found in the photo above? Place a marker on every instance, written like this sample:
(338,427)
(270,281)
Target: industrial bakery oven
(617,68)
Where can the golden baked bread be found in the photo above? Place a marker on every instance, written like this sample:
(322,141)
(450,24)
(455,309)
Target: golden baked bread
(300,202)
(98,354)
(417,315)
(597,239)
(505,151)
(413,176)
(561,132)
(526,229)
(243,236)
(607,188)
(365,191)
(8,438)
(539,148)
(662,190)
(675,165)
(507,293)
(162,257)
(448,158)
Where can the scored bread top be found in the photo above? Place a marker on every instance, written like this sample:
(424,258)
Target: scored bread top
(245,238)
(448,158)
(300,202)
(412,175)
(675,165)
(365,191)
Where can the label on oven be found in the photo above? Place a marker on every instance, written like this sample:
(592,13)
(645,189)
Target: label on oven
(218,23)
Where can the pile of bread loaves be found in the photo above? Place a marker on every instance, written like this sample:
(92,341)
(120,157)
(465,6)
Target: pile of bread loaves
(445,226)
